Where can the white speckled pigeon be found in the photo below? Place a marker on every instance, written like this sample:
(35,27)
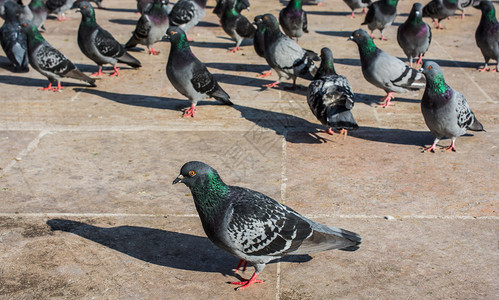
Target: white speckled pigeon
(384,70)
(151,27)
(414,35)
(254,227)
(445,110)
(49,61)
(98,44)
(188,75)
(13,39)
(381,15)
(354,4)
(438,10)
(236,25)
(186,14)
(293,19)
(59,7)
(285,56)
(330,97)
(487,35)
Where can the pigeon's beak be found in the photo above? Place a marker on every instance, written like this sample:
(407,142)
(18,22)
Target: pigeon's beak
(178,179)
(421,70)
(350,38)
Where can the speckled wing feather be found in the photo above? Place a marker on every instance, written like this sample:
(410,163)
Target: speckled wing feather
(182,12)
(107,45)
(204,83)
(465,116)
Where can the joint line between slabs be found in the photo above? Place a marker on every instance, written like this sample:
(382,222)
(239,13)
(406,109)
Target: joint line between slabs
(31,146)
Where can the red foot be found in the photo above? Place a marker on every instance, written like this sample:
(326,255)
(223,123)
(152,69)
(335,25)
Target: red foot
(329,131)
(364,10)
(246,283)
(431,148)
(420,60)
(234,50)
(484,69)
(265,74)
(189,39)
(49,87)
(241,261)
(344,133)
(352,15)
(271,85)
(62,19)
(99,73)
(153,52)
(462,15)
(115,72)
(386,100)
(371,35)
(383,38)
(320,4)
(190,111)
(452,147)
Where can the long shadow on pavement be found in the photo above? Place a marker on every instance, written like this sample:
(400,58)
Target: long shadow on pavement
(35,82)
(160,247)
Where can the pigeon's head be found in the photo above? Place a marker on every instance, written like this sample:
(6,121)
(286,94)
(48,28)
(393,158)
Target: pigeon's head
(430,69)
(194,173)
(417,10)
(359,36)
(326,54)
(176,34)
(28,27)
(84,7)
(270,22)
(12,10)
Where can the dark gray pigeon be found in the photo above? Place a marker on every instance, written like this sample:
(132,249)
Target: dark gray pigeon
(151,27)
(259,42)
(285,56)
(98,44)
(384,70)
(49,61)
(59,7)
(445,110)
(186,14)
(39,11)
(354,4)
(238,6)
(438,10)
(13,39)
(254,227)
(2,7)
(143,5)
(330,97)
(487,35)
(381,15)
(188,75)
(293,19)
(414,35)
(462,4)
(236,25)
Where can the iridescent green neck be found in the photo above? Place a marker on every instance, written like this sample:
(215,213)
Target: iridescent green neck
(209,193)
(392,2)
(491,14)
(297,4)
(368,48)
(90,19)
(35,34)
(182,42)
(231,12)
(37,4)
(438,85)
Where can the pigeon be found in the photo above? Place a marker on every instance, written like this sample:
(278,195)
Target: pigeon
(462,4)
(238,6)
(381,15)
(439,10)
(285,56)
(414,35)
(293,19)
(259,41)
(445,110)
(39,10)
(13,39)
(354,4)
(330,97)
(254,227)
(49,61)
(2,7)
(26,13)
(384,70)
(98,44)
(59,7)
(151,27)
(236,25)
(487,35)
(186,14)
(188,75)
(144,5)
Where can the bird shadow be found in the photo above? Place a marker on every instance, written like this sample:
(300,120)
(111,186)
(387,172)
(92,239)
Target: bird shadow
(160,247)
(455,63)
(124,10)
(374,99)
(244,81)
(335,33)
(123,21)
(212,45)
(238,67)
(35,82)
(347,61)
(207,24)
(329,13)
(394,136)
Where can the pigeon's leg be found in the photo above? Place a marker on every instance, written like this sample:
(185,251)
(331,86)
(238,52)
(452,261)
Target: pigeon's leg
(99,73)
(452,146)
(246,283)
(62,17)
(364,10)
(352,15)
(485,68)
(241,261)
(420,60)
(410,61)
(439,26)
(462,15)
(190,111)
(383,38)
(329,131)
(385,101)
(116,69)
(153,52)
(58,88)
(234,50)
(371,34)
(48,88)
(344,133)
(264,74)
(432,147)
(271,85)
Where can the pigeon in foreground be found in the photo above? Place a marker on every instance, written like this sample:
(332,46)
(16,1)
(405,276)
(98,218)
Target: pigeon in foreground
(462,4)
(13,39)
(186,14)
(59,7)
(259,42)
(238,6)
(49,61)
(98,44)
(236,25)
(384,70)
(189,75)
(445,110)
(414,35)
(39,10)
(151,27)
(487,35)
(285,56)
(438,10)
(354,4)
(381,15)
(254,227)
(293,19)
(330,97)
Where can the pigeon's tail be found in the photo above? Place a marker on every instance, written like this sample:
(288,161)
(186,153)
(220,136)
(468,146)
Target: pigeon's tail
(129,60)
(77,74)
(132,42)
(219,94)
(327,238)
(339,117)
(476,125)
(314,56)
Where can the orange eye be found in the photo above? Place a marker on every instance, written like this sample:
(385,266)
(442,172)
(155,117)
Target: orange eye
(429,68)
(84,6)
(192,173)
(358,35)
(172,32)
(265,18)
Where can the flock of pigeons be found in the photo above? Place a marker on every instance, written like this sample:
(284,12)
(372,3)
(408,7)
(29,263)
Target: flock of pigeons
(248,224)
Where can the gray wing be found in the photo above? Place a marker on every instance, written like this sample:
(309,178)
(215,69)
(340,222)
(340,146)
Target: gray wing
(465,116)
(394,74)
